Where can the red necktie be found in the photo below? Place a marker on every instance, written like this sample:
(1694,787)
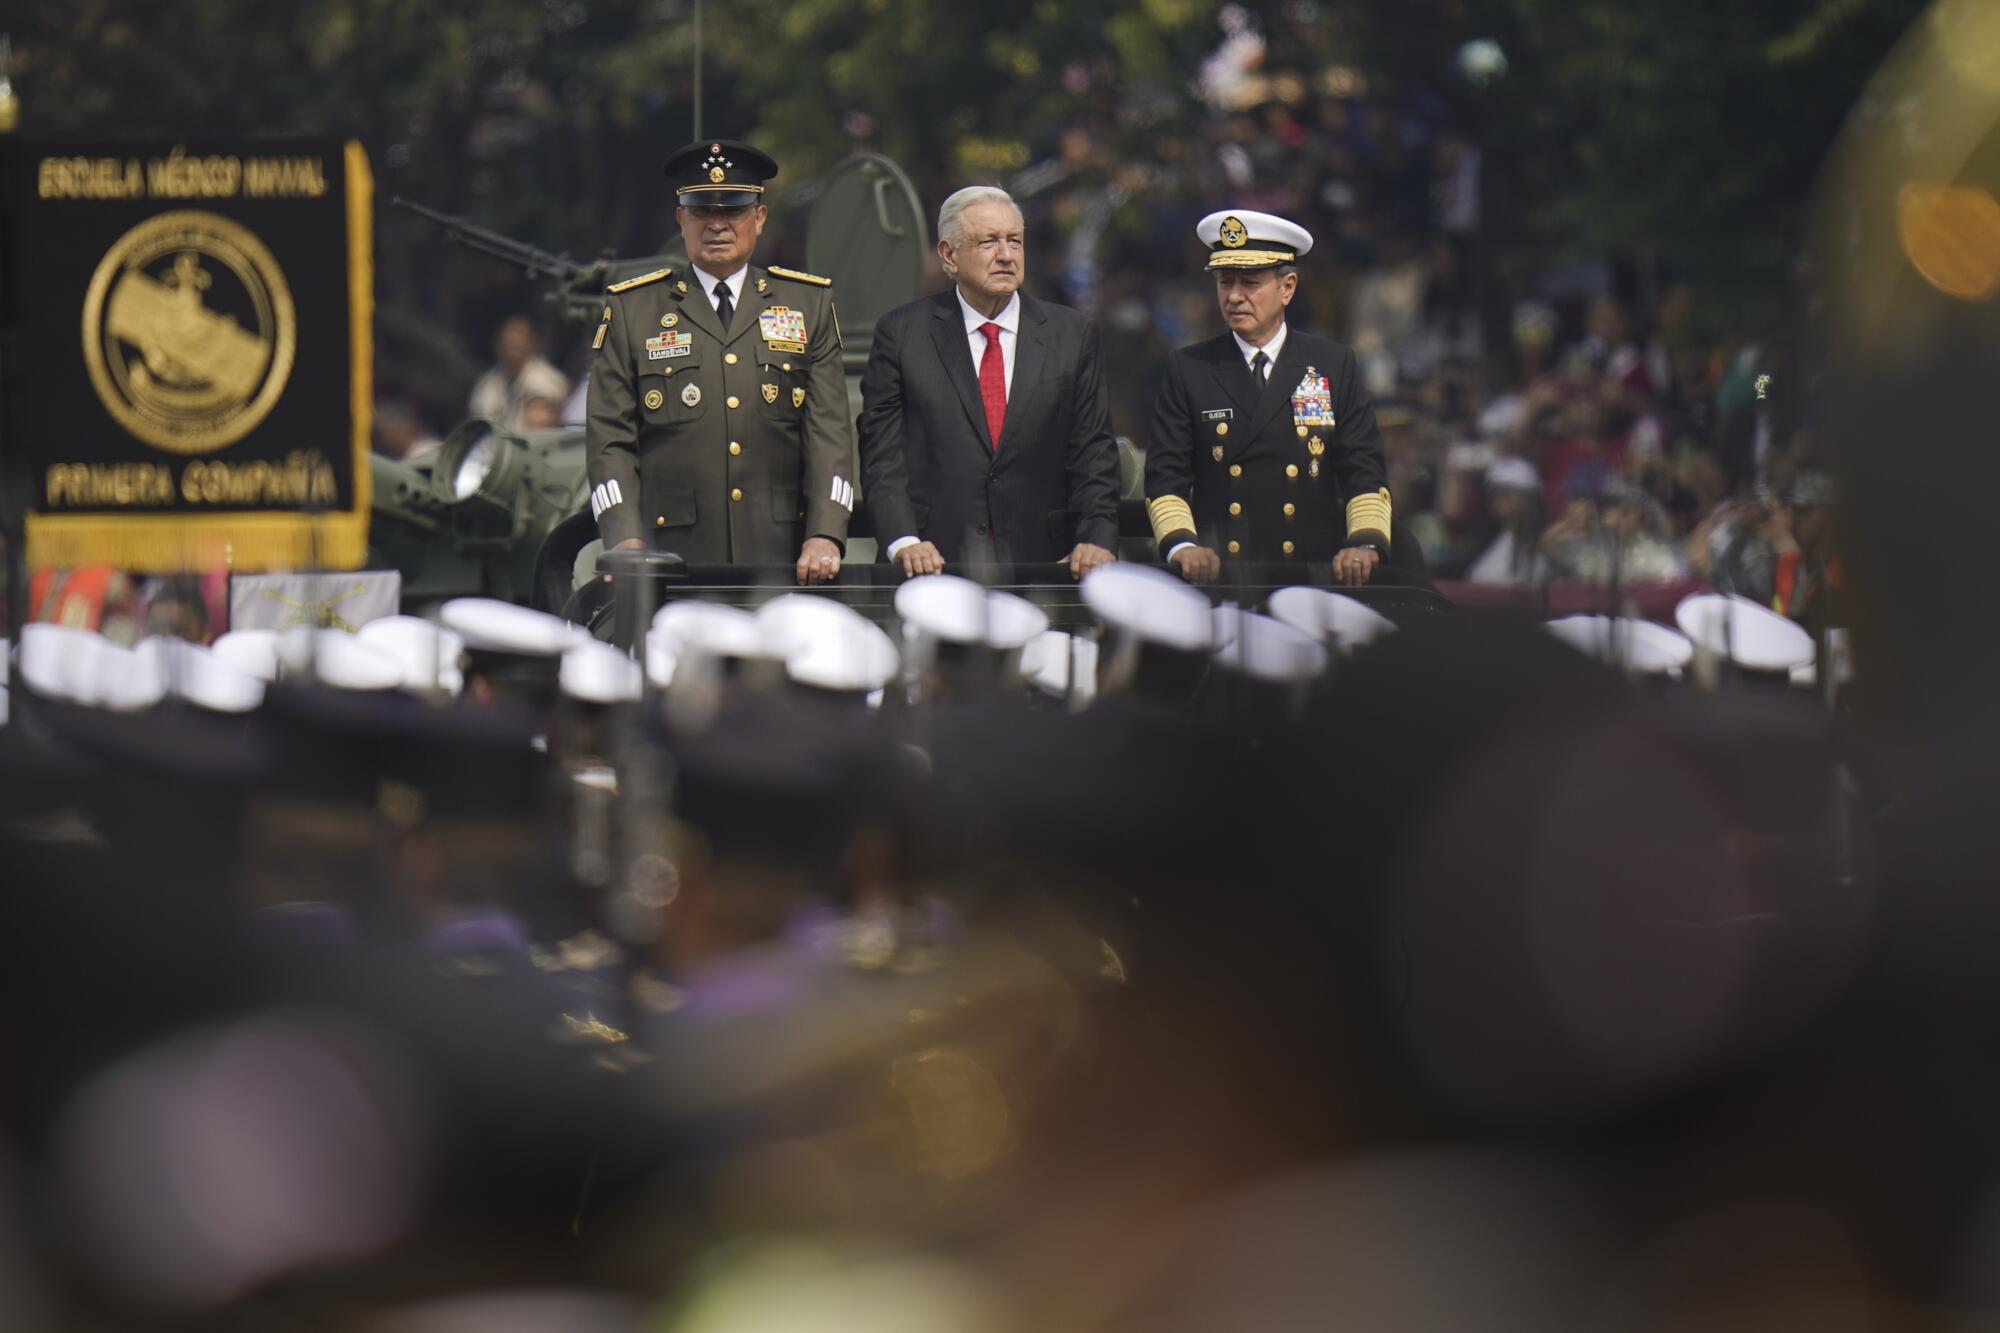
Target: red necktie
(993,383)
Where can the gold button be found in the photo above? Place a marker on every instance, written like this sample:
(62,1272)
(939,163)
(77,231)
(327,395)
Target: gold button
(669,370)
(1235,469)
(788,365)
(736,494)
(1302,432)
(1235,508)
(1287,548)
(1290,509)
(735,449)
(729,358)
(660,522)
(1235,547)
(1222,428)
(730,400)
(1291,469)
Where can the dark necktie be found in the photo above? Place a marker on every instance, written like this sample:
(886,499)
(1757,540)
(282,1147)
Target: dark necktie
(724,307)
(1257,364)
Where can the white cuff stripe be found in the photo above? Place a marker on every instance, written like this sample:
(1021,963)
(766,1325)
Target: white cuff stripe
(843,494)
(605,496)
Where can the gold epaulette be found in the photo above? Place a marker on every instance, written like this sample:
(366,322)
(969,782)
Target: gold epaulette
(1369,513)
(1169,514)
(641,280)
(796,276)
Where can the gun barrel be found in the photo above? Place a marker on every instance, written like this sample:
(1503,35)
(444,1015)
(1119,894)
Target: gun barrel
(534,260)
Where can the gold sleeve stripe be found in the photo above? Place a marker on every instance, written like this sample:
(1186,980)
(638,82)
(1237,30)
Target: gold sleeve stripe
(797,276)
(641,280)
(1249,258)
(1169,513)
(1369,513)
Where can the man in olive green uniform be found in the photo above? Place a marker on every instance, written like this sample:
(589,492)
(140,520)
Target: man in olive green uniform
(718,425)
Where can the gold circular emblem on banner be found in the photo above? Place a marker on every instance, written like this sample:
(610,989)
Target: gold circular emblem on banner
(189,331)
(1234,234)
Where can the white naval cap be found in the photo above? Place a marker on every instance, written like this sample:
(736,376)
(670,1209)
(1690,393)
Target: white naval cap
(1339,621)
(1152,605)
(1639,646)
(1241,239)
(956,610)
(826,644)
(599,673)
(1745,632)
(714,628)
(201,677)
(489,625)
(1270,650)
(1062,666)
(858,657)
(335,657)
(253,651)
(428,653)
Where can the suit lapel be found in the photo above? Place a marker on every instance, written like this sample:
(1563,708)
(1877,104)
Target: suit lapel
(1278,391)
(1031,353)
(948,333)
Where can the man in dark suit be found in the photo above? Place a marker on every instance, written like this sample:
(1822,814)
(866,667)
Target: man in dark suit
(985,435)
(1264,445)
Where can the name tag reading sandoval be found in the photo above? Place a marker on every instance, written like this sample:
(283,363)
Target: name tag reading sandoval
(784,329)
(669,345)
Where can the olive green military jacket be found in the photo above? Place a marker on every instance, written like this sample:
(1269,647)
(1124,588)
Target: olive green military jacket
(725,449)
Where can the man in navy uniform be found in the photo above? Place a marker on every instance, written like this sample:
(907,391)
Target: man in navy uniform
(1264,445)
(718,424)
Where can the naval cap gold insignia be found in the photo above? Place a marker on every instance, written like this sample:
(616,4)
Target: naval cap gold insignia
(189,331)
(1233,233)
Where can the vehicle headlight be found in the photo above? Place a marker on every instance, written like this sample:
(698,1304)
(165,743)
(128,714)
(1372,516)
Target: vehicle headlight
(474,466)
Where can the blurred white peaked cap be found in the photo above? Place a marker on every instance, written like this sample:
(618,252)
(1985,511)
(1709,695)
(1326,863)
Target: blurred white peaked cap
(598,673)
(712,628)
(428,653)
(1639,646)
(501,627)
(855,658)
(827,644)
(1062,665)
(957,610)
(59,662)
(1151,604)
(1270,650)
(335,657)
(196,674)
(1739,629)
(254,651)
(1344,622)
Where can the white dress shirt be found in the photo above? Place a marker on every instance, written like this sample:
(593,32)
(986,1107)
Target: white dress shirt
(1009,320)
(735,280)
(1271,350)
